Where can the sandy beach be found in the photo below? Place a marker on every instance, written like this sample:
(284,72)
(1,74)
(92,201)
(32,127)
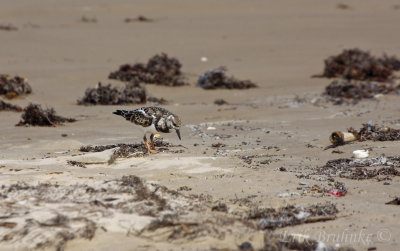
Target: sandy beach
(261,150)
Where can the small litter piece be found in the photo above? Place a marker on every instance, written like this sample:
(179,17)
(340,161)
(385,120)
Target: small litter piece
(9,107)
(217,79)
(139,18)
(86,19)
(211,128)
(360,154)
(340,138)
(107,95)
(360,65)
(336,192)
(160,70)
(34,115)
(13,87)
(220,102)
(394,202)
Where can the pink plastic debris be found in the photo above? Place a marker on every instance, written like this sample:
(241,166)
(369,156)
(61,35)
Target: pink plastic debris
(337,192)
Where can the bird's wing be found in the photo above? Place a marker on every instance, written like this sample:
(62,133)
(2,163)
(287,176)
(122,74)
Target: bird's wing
(140,117)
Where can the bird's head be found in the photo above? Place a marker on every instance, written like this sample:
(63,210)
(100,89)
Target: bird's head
(173,122)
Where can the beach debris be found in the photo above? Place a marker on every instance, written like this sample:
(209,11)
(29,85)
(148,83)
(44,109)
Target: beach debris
(13,87)
(217,79)
(360,65)
(246,246)
(368,131)
(76,163)
(269,218)
(220,102)
(360,169)
(338,138)
(218,145)
(339,189)
(34,115)
(203,59)
(92,205)
(396,201)
(346,92)
(343,6)
(108,95)
(336,192)
(8,27)
(139,18)
(372,131)
(360,154)
(160,70)
(86,19)
(211,128)
(158,101)
(127,150)
(9,107)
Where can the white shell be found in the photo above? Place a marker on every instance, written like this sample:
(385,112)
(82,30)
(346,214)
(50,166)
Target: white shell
(360,154)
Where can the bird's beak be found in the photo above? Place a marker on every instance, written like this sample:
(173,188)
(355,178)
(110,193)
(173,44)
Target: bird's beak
(179,133)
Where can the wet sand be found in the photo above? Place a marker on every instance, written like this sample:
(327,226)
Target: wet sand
(278,45)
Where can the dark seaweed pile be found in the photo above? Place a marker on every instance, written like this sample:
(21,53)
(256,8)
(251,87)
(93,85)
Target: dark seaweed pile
(357,168)
(125,150)
(34,115)
(8,27)
(13,87)
(270,218)
(9,107)
(360,65)
(160,70)
(107,95)
(217,79)
(365,76)
(370,131)
(342,91)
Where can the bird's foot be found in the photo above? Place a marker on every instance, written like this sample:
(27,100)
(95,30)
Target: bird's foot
(152,151)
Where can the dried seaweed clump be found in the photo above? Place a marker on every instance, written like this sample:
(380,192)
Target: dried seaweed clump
(9,107)
(160,70)
(34,115)
(360,65)
(341,91)
(8,27)
(13,87)
(370,131)
(125,150)
(217,79)
(107,95)
(270,218)
(357,169)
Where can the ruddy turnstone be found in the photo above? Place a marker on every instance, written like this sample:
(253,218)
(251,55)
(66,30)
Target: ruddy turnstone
(153,119)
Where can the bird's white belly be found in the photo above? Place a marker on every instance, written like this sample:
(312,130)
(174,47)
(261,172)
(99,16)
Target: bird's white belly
(150,129)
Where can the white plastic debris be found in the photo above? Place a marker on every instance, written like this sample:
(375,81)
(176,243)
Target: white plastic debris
(360,154)
(211,128)
(203,59)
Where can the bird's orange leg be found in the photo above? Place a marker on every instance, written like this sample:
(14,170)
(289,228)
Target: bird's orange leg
(152,142)
(147,146)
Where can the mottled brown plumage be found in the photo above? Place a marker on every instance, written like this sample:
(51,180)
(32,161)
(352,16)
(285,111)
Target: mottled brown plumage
(153,119)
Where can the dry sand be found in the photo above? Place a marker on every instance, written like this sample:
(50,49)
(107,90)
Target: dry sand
(277,44)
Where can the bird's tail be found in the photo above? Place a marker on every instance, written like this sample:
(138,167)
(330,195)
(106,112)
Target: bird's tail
(120,113)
